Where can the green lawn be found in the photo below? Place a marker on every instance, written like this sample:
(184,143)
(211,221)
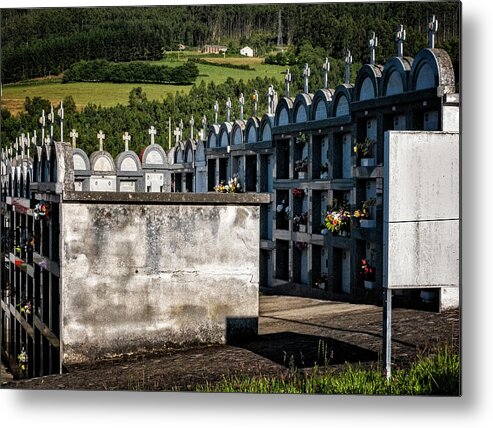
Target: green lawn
(110,94)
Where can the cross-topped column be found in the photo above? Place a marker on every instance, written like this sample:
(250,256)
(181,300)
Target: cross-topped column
(51,118)
(61,116)
(216,111)
(34,139)
(326,67)
(152,132)
(255,102)
(204,127)
(347,68)
(181,126)
(228,109)
(176,133)
(28,145)
(42,121)
(432,31)
(399,38)
(126,139)
(192,122)
(101,138)
(306,75)
(74,135)
(372,44)
(287,79)
(22,140)
(271,99)
(241,102)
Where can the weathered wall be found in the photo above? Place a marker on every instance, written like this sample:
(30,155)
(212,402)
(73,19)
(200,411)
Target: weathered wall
(421,212)
(145,276)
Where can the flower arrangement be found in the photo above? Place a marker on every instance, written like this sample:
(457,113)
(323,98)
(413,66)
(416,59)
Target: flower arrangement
(364,149)
(23,359)
(321,282)
(301,165)
(41,210)
(338,218)
(298,193)
(364,211)
(233,186)
(367,271)
(25,307)
(301,139)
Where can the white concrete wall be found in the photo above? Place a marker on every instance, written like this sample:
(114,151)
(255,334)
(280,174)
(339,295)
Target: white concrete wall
(139,277)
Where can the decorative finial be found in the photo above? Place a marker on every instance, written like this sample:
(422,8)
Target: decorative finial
(372,44)
(255,102)
(432,31)
(61,115)
(287,78)
(306,75)
(74,135)
(192,122)
(326,73)
(347,70)
(399,38)
(241,102)
(176,133)
(216,111)
(228,109)
(126,139)
(101,138)
(271,99)
(152,132)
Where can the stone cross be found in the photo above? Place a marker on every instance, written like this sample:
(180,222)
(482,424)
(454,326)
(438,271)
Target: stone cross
(22,141)
(228,109)
(287,79)
(241,102)
(347,69)
(34,139)
(61,116)
(204,127)
(176,133)
(192,122)
(326,73)
(399,38)
(42,121)
(271,99)
(51,118)
(216,111)
(432,31)
(74,135)
(255,102)
(126,139)
(28,144)
(372,44)
(152,131)
(306,75)
(181,126)
(101,138)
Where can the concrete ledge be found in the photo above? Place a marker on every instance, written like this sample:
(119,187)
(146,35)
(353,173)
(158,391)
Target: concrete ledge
(210,198)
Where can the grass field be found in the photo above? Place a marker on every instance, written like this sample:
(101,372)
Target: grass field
(110,94)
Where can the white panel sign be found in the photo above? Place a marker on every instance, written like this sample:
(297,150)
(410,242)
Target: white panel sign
(421,209)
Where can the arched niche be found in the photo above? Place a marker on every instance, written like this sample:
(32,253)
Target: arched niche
(432,68)
(53,164)
(284,110)
(252,128)
(238,132)
(225,134)
(395,76)
(200,153)
(301,108)
(153,156)
(367,81)
(179,153)
(128,162)
(102,163)
(213,136)
(81,160)
(342,101)
(266,126)
(45,163)
(189,151)
(321,104)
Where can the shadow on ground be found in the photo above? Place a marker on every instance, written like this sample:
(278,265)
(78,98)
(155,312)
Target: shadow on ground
(304,351)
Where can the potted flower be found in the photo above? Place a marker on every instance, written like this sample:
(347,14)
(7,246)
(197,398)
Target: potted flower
(300,221)
(298,193)
(233,186)
(338,221)
(367,271)
(41,210)
(321,282)
(363,214)
(364,151)
(301,139)
(324,171)
(301,167)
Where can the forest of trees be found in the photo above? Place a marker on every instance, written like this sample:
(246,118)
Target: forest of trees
(40,42)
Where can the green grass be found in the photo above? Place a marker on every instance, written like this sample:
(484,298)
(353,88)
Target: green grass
(111,94)
(433,375)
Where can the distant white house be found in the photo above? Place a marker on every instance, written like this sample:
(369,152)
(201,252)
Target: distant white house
(246,51)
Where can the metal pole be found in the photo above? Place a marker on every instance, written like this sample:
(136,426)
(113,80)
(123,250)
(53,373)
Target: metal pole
(387,330)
